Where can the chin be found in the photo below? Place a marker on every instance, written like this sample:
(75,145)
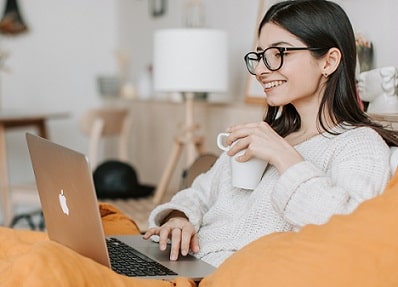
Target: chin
(273,103)
(277,101)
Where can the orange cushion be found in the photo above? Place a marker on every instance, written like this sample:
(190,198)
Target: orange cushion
(29,258)
(360,249)
(115,222)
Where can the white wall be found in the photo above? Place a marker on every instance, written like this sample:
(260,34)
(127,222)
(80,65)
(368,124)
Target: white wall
(54,65)
(378,21)
(71,42)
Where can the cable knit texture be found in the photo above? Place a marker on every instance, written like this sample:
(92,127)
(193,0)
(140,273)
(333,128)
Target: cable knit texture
(337,174)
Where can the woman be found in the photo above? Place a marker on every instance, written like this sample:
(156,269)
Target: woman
(325,156)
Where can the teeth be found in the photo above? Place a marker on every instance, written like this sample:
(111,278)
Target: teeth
(273,84)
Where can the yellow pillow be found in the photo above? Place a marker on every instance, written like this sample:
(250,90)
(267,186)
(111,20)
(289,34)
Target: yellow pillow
(360,249)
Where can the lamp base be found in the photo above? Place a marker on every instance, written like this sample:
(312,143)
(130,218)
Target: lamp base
(188,139)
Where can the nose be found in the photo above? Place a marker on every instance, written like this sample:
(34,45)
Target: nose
(261,68)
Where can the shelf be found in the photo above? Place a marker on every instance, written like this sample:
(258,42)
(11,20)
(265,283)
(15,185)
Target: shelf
(393,118)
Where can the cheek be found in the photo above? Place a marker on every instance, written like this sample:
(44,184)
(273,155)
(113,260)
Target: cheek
(304,79)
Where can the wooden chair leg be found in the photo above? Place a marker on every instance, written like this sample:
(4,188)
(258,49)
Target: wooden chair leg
(199,145)
(165,179)
(6,206)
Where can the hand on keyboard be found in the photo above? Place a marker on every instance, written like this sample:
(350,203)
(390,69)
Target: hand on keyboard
(180,231)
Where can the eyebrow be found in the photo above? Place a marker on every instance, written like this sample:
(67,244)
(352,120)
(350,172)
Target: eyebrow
(276,44)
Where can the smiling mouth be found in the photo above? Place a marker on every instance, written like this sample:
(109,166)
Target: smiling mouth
(273,84)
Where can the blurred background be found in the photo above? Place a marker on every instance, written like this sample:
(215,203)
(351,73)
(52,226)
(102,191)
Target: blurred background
(56,64)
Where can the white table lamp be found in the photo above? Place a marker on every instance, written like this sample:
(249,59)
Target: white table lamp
(188,61)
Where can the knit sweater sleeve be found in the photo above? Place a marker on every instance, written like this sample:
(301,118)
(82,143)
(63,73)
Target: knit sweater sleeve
(193,201)
(311,192)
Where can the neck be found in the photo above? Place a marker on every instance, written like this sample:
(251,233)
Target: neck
(309,121)
(310,125)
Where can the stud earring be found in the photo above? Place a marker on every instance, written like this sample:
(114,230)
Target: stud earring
(325,75)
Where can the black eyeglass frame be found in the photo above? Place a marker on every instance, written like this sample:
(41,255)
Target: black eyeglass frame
(282,51)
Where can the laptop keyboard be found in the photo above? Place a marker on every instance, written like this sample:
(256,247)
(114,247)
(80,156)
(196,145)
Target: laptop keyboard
(130,262)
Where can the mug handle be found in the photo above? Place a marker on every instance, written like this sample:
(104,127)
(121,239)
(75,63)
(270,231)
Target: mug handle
(220,141)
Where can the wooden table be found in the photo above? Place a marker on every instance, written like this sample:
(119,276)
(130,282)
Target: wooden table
(17,119)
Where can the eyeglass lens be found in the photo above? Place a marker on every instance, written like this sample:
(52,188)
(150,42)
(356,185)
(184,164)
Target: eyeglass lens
(272,58)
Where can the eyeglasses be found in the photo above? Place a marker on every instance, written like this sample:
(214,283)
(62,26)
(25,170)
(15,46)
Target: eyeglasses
(272,57)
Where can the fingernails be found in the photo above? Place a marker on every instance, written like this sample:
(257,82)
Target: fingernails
(173,257)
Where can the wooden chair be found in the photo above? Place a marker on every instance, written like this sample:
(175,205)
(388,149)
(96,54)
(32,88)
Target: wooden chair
(101,123)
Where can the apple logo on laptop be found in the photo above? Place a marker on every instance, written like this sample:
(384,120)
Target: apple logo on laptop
(62,202)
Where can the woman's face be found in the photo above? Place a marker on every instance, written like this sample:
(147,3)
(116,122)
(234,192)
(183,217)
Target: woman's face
(299,80)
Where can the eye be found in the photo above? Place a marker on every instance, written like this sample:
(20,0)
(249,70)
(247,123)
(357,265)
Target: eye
(274,53)
(277,53)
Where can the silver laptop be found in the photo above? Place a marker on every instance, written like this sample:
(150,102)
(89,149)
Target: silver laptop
(65,184)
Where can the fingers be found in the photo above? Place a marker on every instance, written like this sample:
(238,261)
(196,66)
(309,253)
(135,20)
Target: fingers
(176,234)
(243,129)
(186,240)
(240,132)
(150,232)
(182,238)
(195,243)
(164,237)
(162,232)
(256,139)
(181,241)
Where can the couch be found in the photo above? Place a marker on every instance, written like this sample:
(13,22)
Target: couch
(359,249)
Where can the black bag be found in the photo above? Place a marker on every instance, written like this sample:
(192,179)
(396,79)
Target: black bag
(116,179)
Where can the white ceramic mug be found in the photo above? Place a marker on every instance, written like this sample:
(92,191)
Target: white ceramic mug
(247,174)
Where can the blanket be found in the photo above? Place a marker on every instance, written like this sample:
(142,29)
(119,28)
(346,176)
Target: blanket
(29,258)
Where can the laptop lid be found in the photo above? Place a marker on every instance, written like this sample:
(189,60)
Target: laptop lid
(70,208)
(71,213)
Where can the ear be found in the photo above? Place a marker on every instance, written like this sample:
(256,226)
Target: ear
(331,61)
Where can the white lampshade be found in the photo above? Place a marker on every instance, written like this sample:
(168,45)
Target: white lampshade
(190,60)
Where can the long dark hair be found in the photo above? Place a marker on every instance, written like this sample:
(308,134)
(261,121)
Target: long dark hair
(323,24)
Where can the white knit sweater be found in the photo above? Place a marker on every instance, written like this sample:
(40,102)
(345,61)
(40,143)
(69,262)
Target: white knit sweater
(338,173)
